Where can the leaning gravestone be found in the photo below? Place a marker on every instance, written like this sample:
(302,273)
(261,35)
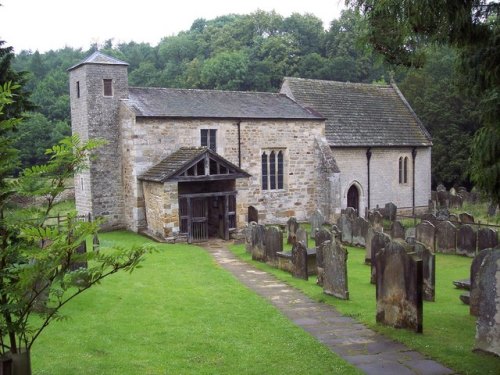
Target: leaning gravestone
(359,231)
(299,260)
(291,229)
(428,271)
(466,218)
(431,218)
(258,245)
(390,211)
(488,321)
(474,280)
(316,220)
(301,236)
(322,236)
(379,241)
(335,263)
(397,230)
(486,239)
(466,240)
(346,229)
(446,237)
(425,232)
(273,242)
(399,287)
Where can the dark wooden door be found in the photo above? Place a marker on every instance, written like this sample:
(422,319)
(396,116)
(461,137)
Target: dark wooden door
(353,198)
(198,230)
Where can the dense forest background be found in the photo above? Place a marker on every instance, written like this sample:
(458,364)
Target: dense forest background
(254,52)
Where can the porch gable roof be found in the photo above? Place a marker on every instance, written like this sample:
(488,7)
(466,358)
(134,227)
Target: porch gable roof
(193,164)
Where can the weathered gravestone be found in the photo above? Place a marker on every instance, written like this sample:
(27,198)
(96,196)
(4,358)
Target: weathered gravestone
(378,221)
(431,218)
(442,214)
(301,236)
(96,244)
(443,200)
(359,231)
(397,230)
(486,239)
(379,241)
(351,213)
(273,243)
(299,260)
(390,211)
(431,206)
(466,240)
(291,229)
(258,245)
(454,219)
(453,191)
(474,281)
(249,236)
(446,237)
(317,219)
(410,233)
(399,287)
(428,271)
(466,218)
(368,248)
(335,264)
(425,232)
(345,225)
(488,321)
(322,236)
(456,201)
(440,188)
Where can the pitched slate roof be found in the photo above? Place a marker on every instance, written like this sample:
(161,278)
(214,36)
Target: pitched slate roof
(360,114)
(99,58)
(167,102)
(183,158)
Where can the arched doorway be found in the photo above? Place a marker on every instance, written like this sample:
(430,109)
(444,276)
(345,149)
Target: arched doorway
(353,198)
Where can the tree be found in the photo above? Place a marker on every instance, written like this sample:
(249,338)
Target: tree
(401,30)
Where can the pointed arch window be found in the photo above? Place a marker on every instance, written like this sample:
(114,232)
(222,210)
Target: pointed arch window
(273,170)
(403,169)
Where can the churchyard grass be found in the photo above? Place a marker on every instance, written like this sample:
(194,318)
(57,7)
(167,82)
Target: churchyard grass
(448,329)
(180,313)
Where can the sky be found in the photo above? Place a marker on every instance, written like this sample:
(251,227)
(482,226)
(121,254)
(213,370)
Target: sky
(45,25)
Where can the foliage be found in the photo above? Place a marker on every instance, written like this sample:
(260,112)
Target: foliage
(447,317)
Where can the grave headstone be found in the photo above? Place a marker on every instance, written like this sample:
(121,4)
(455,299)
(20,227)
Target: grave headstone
(379,241)
(474,281)
(442,214)
(301,236)
(486,238)
(425,232)
(456,201)
(446,237)
(335,263)
(466,240)
(488,321)
(359,231)
(390,211)
(440,188)
(410,233)
(336,231)
(466,218)
(322,236)
(397,230)
(443,200)
(492,209)
(428,271)
(454,219)
(346,229)
(79,263)
(291,229)
(378,221)
(273,242)
(431,218)
(453,191)
(258,242)
(317,219)
(399,287)
(351,213)
(249,236)
(431,206)
(299,261)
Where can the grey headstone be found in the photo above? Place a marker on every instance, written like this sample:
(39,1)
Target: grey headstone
(397,230)
(443,200)
(378,221)
(492,209)
(248,236)
(379,241)
(359,231)
(258,245)
(456,201)
(351,213)
(466,240)
(428,271)
(317,219)
(446,237)
(466,218)
(368,248)
(390,211)
(273,244)
(302,236)
(488,321)
(299,261)
(399,287)
(431,218)
(486,238)
(346,229)
(426,233)
(335,277)
(410,233)
(453,191)
(454,219)
(474,280)
(440,188)
(442,214)
(291,229)
(321,236)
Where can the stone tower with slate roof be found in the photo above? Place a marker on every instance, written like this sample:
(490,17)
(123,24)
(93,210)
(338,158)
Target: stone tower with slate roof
(97,84)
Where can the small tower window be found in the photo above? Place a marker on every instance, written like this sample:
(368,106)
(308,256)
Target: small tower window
(77,89)
(108,87)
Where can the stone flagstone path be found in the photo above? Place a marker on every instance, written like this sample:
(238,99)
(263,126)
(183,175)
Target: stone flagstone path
(369,351)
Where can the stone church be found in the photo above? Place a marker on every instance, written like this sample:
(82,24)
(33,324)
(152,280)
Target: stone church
(195,164)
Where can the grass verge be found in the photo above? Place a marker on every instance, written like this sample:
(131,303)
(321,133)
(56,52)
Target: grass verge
(449,330)
(180,313)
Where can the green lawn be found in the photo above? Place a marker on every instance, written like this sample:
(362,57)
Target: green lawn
(448,328)
(180,313)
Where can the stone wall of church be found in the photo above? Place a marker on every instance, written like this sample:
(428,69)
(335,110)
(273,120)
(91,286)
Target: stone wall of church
(384,176)
(161,208)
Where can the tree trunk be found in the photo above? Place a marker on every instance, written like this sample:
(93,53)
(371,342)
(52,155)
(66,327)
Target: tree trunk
(16,364)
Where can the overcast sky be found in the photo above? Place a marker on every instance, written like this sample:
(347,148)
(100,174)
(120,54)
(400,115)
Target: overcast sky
(53,24)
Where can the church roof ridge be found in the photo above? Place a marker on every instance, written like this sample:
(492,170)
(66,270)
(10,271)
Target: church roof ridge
(99,58)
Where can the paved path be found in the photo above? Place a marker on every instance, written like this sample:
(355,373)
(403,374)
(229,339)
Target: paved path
(369,351)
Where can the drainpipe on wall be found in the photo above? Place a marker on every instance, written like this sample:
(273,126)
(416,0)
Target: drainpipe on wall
(238,124)
(413,157)
(368,157)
